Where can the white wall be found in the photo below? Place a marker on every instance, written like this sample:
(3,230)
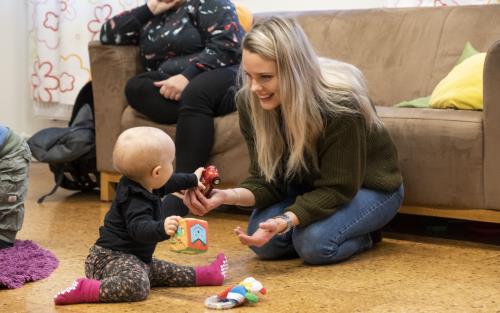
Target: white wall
(16,110)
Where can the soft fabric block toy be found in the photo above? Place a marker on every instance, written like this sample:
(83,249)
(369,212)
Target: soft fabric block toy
(246,291)
(191,236)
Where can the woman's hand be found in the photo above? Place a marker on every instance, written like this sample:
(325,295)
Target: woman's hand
(172,87)
(159,6)
(267,230)
(200,205)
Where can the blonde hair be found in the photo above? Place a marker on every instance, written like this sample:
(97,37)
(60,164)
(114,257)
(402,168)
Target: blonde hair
(139,150)
(308,93)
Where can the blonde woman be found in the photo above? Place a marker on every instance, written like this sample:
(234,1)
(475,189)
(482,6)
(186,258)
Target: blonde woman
(324,175)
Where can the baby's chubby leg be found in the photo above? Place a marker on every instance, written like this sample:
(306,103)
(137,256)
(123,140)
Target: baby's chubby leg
(112,277)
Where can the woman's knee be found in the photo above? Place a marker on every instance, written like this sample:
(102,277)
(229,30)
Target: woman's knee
(196,98)
(314,248)
(206,91)
(134,91)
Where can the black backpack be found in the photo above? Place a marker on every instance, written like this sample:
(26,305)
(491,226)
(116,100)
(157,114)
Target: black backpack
(70,151)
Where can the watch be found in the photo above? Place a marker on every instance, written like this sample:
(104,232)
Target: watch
(289,224)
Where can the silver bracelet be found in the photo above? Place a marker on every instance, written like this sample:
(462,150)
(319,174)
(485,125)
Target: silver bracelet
(289,224)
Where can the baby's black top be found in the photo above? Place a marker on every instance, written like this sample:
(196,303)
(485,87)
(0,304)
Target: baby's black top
(135,222)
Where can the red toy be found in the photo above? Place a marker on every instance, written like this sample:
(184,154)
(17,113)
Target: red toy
(210,178)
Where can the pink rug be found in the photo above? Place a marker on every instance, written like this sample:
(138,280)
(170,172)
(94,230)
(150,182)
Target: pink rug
(25,262)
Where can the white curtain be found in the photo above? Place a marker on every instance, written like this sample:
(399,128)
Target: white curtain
(59,32)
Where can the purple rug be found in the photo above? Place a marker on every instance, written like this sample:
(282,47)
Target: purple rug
(25,262)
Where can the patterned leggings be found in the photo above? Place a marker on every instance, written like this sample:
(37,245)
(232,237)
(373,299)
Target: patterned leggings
(125,278)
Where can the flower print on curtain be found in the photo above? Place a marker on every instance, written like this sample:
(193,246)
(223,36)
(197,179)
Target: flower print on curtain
(59,33)
(436,3)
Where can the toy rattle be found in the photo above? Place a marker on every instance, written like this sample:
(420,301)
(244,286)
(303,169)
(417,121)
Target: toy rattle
(246,291)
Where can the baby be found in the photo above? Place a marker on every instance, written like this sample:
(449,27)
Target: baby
(120,266)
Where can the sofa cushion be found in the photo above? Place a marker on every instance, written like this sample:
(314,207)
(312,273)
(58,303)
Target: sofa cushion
(403,52)
(467,52)
(132,118)
(229,144)
(462,88)
(424,102)
(441,154)
(396,67)
(245,16)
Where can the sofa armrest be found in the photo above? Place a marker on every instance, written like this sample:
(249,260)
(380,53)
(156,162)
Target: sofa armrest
(491,98)
(111,67)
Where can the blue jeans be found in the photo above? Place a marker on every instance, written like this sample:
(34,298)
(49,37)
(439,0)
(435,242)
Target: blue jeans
(334,238)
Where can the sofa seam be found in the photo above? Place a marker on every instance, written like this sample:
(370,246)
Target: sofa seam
(439,43)
(429,119)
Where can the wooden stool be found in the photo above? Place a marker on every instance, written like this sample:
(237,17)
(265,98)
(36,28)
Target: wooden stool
(108,185)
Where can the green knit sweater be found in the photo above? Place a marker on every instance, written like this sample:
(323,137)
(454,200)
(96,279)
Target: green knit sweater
(350,157)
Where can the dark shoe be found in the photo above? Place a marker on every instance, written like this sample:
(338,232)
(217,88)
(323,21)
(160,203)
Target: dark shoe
(376,236)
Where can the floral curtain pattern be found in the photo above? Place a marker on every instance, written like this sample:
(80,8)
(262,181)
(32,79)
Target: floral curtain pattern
(59,32)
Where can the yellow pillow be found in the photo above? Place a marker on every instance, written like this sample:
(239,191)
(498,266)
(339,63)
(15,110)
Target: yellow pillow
(244,15)
(462,88)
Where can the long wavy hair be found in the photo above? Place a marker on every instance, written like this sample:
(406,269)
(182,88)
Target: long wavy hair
(310,89)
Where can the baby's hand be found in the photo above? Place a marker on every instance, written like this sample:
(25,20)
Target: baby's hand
(171,224)
(198,173)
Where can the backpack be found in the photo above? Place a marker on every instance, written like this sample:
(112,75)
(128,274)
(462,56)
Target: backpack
(70,151)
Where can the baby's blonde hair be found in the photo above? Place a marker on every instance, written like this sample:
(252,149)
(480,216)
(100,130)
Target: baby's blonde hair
(139,150)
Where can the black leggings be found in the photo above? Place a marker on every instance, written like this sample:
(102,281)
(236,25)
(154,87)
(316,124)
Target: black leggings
(208,95)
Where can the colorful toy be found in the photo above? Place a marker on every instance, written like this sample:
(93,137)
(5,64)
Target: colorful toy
(191,236)
(210,178)
(246,291)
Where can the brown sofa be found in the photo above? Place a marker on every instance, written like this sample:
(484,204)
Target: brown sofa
(450,159)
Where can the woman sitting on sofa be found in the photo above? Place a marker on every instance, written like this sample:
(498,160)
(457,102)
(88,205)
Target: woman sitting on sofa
(191,52)
(324,175)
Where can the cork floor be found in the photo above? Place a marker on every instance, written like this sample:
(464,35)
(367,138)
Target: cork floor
(402,274)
